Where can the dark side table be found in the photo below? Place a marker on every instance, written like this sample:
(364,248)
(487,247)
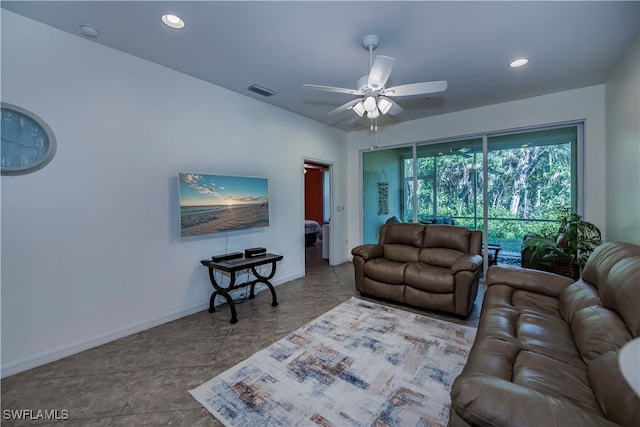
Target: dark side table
(233,266)
(494,250)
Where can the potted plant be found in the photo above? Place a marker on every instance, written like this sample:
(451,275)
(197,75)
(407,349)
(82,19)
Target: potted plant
(570,247)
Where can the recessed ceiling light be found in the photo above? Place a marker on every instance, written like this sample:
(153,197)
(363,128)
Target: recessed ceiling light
(518,62)
(173,21)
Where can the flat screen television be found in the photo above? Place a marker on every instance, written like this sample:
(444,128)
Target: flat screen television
(217,203)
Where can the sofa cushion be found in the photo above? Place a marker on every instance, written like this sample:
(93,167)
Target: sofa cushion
(488,401)
(382,289)
(402,234)
(576,297)
(429,278)
(621,292)
(545,335)
(447,236)
(539,282)
(401,253)
(386,271)
(604,258)
(556,379)
(431,300)
(441,257)
(492,353)
(498,358)
(598,330)
(521,300)
(617,400)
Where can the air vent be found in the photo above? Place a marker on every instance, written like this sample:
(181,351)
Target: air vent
(261,90)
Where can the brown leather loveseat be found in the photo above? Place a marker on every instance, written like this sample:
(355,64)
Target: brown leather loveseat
(427,266)
(546,349)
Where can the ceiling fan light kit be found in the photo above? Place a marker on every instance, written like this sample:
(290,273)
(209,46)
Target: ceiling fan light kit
(359,108)
(370,104)
(384,104)
(374,98)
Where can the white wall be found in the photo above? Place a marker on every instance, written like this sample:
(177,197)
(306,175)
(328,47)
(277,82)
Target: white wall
(90,244)
(623,149)
(581,104)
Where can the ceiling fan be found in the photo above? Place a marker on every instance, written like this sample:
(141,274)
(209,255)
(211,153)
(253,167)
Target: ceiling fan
(374,99)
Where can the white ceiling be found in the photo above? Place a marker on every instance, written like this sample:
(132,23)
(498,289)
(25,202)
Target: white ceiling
(282,45)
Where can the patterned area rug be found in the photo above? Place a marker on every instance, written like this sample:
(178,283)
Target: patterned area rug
(360,364)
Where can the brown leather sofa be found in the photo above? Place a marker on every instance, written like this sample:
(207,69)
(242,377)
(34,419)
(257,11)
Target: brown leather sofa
(546,350)
(427,266)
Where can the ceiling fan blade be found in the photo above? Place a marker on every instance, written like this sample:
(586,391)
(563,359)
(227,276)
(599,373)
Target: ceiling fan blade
(416,88)
(345,106)
(395,108)
(333,89)
(380,71)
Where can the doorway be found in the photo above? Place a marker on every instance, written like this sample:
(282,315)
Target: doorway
(317,212)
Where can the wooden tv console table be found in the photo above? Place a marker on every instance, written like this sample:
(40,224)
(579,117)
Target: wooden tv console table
(233,266)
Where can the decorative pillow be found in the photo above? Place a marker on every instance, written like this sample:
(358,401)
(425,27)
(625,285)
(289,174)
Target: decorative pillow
(393,220)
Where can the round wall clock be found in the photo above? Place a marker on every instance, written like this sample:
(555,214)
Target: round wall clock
(28,143)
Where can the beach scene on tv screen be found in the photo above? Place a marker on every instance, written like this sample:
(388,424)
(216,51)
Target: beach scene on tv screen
(217,203)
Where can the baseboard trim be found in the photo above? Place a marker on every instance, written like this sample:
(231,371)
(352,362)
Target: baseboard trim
(68,350)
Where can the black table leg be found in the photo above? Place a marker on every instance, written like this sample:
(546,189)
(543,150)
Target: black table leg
(212,302)
(223,292)
(265,279)
(232,305)
(274,301)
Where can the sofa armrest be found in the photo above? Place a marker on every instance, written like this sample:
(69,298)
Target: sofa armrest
(481,399)
(466,262)
(368,251)
(541,282)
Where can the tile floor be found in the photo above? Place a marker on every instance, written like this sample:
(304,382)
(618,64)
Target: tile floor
(143,379)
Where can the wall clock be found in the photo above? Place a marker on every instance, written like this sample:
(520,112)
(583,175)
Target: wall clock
(28,143)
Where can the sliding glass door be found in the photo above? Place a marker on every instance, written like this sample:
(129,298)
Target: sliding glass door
(532,176)
(529,177)
(383,193)
(448,180)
